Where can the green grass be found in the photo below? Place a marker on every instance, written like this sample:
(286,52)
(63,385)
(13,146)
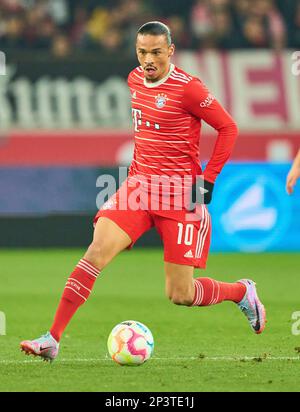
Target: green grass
(187,340)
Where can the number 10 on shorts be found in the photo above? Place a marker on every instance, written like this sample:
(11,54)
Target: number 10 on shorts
(185,234)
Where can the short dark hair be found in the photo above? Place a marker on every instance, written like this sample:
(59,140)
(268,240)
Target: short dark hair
(156,28)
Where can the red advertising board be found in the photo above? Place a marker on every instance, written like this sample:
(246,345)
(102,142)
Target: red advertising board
(112,148)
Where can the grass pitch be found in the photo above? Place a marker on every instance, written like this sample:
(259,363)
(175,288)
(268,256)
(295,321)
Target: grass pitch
(196,349)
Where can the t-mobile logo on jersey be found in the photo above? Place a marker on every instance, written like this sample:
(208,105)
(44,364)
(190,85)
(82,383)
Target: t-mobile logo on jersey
(2,64)
(137,119)
(2,324)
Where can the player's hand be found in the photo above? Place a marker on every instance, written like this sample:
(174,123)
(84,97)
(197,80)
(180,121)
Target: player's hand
(291,179)
(206,189)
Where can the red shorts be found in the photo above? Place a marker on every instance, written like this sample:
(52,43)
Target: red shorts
(186,239)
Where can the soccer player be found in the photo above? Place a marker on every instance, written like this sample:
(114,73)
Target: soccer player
(168,106)
(293,174)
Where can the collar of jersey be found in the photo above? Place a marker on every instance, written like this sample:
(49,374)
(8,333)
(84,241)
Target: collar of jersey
(156,84)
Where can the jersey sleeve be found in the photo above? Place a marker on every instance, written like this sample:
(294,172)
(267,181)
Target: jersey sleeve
(129,79)
(198,101)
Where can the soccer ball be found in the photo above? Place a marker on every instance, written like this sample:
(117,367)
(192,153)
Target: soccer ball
(130,343)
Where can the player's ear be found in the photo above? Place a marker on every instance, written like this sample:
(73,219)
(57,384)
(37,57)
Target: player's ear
(171,50)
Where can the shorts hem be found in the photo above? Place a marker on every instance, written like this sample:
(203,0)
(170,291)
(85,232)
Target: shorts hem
(200,265)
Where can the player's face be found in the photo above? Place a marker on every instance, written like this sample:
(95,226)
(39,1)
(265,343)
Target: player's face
(154,55)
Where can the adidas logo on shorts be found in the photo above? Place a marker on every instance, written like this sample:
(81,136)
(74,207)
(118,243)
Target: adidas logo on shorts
(189,254)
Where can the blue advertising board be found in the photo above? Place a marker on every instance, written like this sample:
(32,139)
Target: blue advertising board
(45,190)
(251,211)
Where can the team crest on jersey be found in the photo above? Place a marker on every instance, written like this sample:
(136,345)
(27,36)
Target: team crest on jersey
(161,100)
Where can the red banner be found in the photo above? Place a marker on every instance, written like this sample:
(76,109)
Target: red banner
(112,148)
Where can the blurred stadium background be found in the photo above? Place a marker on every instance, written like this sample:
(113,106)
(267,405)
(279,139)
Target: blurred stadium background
(65,112)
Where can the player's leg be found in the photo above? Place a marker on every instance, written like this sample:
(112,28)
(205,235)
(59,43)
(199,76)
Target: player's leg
(109,239)
(180,283)
(186,245)
(117,228)
(183,289)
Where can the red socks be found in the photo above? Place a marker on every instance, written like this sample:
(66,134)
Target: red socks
(77,290)
(80,284)
(210,292)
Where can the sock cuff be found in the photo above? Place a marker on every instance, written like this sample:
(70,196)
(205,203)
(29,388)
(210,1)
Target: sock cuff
(199,293)
(89,268)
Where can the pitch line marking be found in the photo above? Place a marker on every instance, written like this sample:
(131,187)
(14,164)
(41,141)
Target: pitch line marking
(193,358)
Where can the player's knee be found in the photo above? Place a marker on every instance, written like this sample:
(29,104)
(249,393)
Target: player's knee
(181,297)
(98,255)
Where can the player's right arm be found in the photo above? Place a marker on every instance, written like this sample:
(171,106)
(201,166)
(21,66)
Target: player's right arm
(293,174)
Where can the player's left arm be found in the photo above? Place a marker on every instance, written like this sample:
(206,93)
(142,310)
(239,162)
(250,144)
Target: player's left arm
(201,103)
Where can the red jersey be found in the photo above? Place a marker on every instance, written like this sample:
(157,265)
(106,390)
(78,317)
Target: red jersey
(167,119)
